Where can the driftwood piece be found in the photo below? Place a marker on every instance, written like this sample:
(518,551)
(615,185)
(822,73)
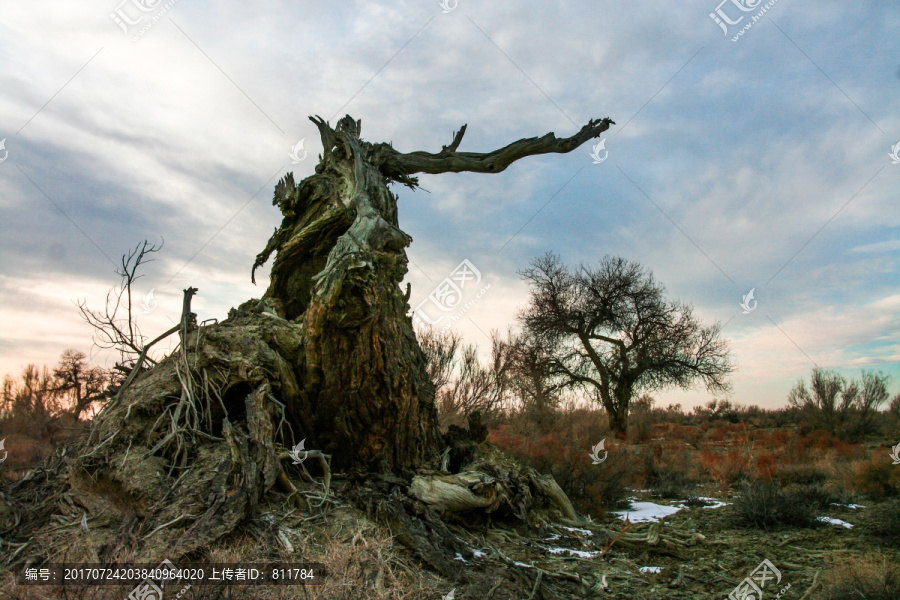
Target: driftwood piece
(453,492)
(494,483)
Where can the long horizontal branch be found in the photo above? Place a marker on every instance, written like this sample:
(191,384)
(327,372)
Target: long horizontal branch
(449,160)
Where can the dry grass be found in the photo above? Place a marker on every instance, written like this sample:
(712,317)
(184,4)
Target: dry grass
(876,477)
(884,522)
(875,576)
(805,474)
(24,452)
(361,561)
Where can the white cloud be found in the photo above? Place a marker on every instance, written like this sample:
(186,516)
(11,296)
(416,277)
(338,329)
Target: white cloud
(749,149)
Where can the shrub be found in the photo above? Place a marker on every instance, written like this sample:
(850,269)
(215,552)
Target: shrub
(665,471)
(814,495)
(884,522)
(764,505)
(565,455)
(718,434)
(845,408)
(780,437)
(877,478)
(640,418)
(607,488)
(692,501)
(729,468)
(766,466)
(800,474)
(670,484)
(874,577)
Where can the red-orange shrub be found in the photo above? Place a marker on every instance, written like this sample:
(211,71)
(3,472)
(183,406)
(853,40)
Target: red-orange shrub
(765,466)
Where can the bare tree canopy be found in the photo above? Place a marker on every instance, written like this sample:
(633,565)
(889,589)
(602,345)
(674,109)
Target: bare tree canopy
(538,385)
(463,385)
(612,331)
(116,328)
(82,383)
(841,407)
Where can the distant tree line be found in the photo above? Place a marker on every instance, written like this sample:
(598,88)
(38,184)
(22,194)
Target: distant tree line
(44,402)
(608,336)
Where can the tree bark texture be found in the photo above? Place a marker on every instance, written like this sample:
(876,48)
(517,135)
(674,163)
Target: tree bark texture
(340,258)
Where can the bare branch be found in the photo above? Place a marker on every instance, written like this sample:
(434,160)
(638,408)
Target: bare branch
(113,331)
(448,160)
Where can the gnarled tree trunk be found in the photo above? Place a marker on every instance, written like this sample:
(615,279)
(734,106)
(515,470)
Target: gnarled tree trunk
(340,258)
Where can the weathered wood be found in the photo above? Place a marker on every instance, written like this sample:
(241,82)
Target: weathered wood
(339,260)
(448,160)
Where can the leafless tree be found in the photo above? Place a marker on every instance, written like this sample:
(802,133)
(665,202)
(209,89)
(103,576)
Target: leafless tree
(894,406)
(482,387)
(842,407)
(440,349)
(463,384)
(80,382)
(538,387)
(718,409)
(613,333)
(115,327)
(33,402)
(339,257)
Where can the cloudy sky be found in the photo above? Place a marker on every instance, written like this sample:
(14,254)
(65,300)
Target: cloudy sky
(754,161)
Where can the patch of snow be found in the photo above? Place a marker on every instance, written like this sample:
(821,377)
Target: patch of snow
(836,522)
(555,536)
(848,505)
(477,553)
(651,512)
(581,531)
(459,557)
(715,503)
(651,569)
(521,564)
(578,553)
